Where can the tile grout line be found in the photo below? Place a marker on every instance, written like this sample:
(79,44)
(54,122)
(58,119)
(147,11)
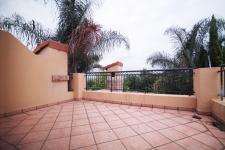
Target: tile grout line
(14,127)
(132,130)
(32,128)
(20,121)
(71,127)
(111,129)
(90,124)
(18,143)
(143,133)
(212,134)
(113,110)
(172,141)
(51,128)
(154,129)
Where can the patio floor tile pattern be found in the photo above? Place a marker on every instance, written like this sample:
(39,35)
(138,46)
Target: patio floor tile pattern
(135,143)
(89,125)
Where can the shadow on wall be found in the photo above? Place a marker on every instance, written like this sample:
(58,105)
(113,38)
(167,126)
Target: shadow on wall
(26,78)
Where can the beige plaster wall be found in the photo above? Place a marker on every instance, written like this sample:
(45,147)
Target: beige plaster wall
(79,83)
(218,109)
(206,87)
(181,101)
(26,78)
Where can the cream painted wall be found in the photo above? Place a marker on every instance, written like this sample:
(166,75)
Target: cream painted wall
(26,78)
(206,87)
(181,101)
(218,109)
(79,83)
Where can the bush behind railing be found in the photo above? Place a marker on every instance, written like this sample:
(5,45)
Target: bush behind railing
(178,81)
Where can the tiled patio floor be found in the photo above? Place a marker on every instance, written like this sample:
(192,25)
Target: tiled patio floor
(87,125)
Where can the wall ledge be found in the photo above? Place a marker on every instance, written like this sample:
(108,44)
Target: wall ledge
(143,105)
(176,102)
(140,93)
(217,100)
(218,110)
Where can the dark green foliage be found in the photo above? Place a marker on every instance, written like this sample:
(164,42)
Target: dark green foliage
(223,52)
(97,83)
(88,43)
(187,48)
(192,48)
(71,14)
(163,60)
(215,50)
(163,82)
(173,83)
(202,58)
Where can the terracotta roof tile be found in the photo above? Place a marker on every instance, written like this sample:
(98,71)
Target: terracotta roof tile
(53,44)
(114,64)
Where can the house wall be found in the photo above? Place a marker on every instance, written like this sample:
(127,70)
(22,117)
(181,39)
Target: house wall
(117,81)
(26,78)
(115,68)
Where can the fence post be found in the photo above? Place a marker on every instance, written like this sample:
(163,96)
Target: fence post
(111,82)
(221,83)
(79,85)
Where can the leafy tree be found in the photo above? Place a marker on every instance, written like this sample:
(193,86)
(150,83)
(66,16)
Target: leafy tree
(191,47)
(32,32)
(187,48)
(87,40)
(223,52)
(164,82)
(215,50)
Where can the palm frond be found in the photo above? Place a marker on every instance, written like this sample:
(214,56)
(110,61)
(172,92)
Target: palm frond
(32,32)
(112,39)
(88,42)
(178,36)
(163,60)
(71,14)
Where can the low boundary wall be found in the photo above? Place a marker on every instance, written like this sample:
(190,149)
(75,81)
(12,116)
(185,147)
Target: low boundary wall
(180,102)
(218,109)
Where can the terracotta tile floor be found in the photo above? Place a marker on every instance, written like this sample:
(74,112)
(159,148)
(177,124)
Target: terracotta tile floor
(88,125)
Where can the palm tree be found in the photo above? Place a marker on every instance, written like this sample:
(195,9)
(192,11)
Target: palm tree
(86,39)
(32,32)
(187,48)
(92,42)
(191,47)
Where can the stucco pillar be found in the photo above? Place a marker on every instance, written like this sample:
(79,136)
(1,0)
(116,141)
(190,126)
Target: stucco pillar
(79,84)
(206,87)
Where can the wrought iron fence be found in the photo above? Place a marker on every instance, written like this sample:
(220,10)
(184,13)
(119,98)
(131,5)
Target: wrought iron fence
(222,81)
(169,81)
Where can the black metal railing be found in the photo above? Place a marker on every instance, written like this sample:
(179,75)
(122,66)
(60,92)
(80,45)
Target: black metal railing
(169,81)
(222,81)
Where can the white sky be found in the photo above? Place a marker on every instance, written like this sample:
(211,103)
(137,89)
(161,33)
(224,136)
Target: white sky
(142,21)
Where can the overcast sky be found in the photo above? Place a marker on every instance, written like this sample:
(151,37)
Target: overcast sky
(142,21)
